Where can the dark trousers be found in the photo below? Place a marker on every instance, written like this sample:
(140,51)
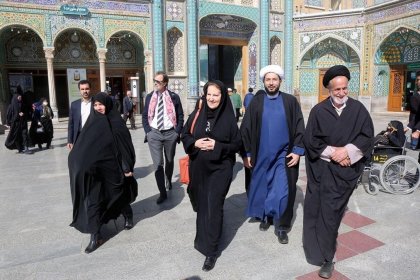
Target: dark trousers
(130,116)
(238,114)
(162,143)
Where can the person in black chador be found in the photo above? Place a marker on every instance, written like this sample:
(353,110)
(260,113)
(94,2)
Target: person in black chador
(338,142)
(101,166)
(211,146)
(42,130)
(17,114)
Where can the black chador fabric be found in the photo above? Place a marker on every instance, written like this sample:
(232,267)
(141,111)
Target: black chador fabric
(330,185)
(17,124)
(43,115)
(211,171)
(295,124)
(101,153)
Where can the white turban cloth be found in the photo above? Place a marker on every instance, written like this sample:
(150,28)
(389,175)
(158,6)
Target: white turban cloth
(272,69)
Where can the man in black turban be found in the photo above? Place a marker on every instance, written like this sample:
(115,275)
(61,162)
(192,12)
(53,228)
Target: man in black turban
(335,71)
(338,140)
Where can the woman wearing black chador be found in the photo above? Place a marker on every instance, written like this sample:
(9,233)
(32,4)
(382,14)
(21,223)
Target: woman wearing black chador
(101,172)
(211,145)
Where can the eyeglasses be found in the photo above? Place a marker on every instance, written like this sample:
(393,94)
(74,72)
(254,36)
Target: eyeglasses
(158,82)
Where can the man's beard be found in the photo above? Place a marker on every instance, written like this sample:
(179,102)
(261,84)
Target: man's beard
(339,101)
(272,92)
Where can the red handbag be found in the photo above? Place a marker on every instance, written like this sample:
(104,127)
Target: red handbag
(184,162)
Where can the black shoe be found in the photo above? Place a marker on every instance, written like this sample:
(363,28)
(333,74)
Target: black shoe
(264,226)
(169,185)
(161,199)
(128,224)
(326,270)
(283,238)
(209,263)
(95,242)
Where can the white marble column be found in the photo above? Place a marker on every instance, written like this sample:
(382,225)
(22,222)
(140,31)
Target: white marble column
(148,71)
(102,59)
(49,56)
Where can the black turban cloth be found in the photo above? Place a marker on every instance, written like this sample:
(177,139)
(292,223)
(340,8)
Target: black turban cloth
(100,156)
(335,71)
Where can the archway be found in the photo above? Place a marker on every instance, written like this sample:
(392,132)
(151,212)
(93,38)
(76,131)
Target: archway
(75,58)
(399,54)
(125,66)
(224,55)
(22,65)
(322,55)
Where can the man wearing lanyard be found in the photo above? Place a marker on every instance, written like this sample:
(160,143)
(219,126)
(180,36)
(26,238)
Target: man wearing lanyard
(163,119)
(79,112)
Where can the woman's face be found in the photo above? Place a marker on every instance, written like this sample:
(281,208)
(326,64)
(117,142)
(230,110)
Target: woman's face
(213,97)
(99,107)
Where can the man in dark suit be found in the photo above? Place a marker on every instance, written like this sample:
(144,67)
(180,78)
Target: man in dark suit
(163,119)
(415,99)
(128,109)
(79,112)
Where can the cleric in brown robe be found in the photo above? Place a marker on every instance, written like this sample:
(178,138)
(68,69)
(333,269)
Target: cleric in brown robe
(338,142)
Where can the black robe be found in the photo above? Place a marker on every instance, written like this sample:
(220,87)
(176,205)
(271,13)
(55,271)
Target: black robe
(211,171)
(251,130)
(17,137)
(43,115)
(100,156)
(330,185)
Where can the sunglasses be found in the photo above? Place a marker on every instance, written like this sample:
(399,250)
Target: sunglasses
(158,82)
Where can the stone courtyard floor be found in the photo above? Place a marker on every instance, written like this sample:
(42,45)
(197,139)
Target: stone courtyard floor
(378,238)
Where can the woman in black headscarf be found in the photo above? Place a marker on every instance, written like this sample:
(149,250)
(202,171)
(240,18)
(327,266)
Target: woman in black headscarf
(211,145)
(101,172)
(17,120)
(42,130)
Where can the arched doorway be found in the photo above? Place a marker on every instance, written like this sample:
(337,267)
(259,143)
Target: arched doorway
(224,48)
(322,55)
(125,63)
(75,58)
(23,66)
(399,53)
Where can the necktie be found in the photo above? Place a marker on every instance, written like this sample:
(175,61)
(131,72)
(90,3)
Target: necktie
(160,112)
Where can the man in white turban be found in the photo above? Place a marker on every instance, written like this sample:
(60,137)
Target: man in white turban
(272,130)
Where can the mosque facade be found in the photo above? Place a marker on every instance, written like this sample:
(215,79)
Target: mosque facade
(46,46)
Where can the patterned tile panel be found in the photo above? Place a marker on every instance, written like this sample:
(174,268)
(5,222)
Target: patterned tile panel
(33,21)
(102,5)
(358,4)
(177,85)
(398,11)
(177,24)
(308,81)
(381,80)
(275,51)
(276,22)
(90,25)
(175,10)
(139,27)
(333,22)
(352,35)
(354,83)
(175,58)
(206,8)
(318,3)
(276,5)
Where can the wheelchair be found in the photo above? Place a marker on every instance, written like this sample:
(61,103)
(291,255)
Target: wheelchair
(390,170)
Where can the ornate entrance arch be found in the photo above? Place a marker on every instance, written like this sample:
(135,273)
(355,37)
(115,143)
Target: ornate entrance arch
(396,58)
(321,55)
(225,45)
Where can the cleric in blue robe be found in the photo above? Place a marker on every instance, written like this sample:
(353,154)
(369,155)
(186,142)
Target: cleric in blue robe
(272,131)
